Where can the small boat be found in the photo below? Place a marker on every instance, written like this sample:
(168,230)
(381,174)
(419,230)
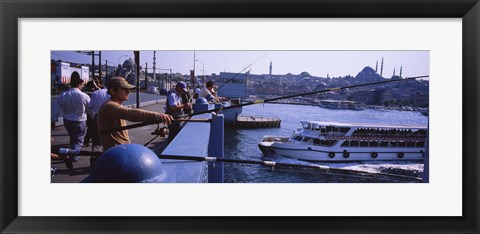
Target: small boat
(332,141)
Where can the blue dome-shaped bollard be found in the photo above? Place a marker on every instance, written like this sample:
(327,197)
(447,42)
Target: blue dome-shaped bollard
(201,100)
(128,163)
(201,104)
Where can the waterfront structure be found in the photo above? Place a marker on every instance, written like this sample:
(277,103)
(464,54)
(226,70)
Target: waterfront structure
(330,141)
(365,96)
(342,105)
(254,122)
(232,85)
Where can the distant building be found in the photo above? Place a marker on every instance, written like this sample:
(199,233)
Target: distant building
(233,85)
(365,96)
(368,75)
(385,97)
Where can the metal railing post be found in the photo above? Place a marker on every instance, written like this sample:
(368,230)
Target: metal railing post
(216,148)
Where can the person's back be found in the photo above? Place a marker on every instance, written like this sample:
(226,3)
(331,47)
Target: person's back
(205,93)
(98,98)
(73,103)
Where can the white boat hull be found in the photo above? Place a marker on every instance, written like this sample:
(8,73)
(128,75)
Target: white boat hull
(339,154)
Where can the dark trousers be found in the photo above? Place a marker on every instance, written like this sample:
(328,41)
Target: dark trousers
(90,131)
(95,135)
(76,131)
(173,129)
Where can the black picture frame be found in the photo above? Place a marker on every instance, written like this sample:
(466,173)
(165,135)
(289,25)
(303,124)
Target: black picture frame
(11,11)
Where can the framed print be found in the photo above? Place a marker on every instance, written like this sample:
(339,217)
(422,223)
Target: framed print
(444,32)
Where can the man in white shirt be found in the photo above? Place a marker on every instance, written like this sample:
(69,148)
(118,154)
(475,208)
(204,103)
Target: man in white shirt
(74,105)
(175,107)
(209,94)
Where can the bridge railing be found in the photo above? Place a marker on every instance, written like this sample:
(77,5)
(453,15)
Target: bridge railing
(200,139)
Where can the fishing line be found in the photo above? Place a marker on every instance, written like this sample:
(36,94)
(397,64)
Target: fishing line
(272,164)
(258,102)
(228,81)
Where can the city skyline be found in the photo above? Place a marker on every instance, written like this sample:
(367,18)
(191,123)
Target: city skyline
(317,63)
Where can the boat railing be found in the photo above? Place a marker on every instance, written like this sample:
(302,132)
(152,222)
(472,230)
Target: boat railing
(332,134)
(385,137)
(390,135)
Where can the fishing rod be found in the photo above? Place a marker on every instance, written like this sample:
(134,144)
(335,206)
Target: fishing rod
(260,101)
(228,81)
(272,164)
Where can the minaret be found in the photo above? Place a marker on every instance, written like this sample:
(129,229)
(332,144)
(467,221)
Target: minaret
(270,68)
(328,76)
(381,69)
(393,71)
(154,65)
(401,71)
(376,67)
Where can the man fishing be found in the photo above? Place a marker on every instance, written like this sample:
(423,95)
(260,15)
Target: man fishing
(209,93)
(176,107)
(113,115)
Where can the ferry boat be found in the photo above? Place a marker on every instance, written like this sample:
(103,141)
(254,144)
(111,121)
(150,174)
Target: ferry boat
(342,105)
(331,141)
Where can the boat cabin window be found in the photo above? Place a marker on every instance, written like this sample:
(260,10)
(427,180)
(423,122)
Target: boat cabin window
(374,144)
(363,143)
(354,143)
(305,139)
(383,144)
(402,144)
(296,137)
(306,125)
(410,144)
(327,143)
(344,130)
(316,127)
(420,144)
(393,144)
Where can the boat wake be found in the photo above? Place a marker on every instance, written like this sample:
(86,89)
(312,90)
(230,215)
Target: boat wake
(403,168)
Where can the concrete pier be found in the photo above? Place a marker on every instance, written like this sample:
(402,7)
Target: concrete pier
(254,122)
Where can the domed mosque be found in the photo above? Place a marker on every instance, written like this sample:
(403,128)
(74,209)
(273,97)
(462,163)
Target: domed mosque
(128,71)
(368,74)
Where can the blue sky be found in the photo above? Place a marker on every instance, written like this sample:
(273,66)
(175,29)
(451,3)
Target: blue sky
(317,63)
